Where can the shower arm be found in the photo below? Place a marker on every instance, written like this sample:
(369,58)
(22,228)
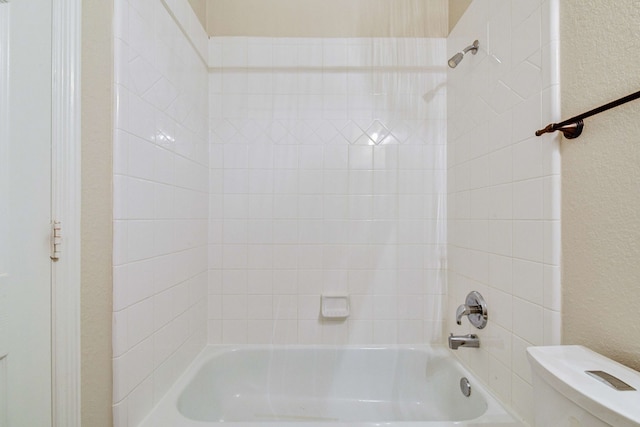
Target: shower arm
(473,47)
(572,128)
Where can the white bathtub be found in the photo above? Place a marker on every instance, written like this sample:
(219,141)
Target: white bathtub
(323,386)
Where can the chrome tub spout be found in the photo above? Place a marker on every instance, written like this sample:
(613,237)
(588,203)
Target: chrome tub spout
(469,340)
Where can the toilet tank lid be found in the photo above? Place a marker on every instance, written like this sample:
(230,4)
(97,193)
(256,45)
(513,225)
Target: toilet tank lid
(563,368)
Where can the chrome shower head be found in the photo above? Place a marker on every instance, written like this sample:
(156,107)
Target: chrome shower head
(455,59)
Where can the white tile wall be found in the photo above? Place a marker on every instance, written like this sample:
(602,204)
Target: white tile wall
(325,173)
(160,201)
(328,176)
(503,188)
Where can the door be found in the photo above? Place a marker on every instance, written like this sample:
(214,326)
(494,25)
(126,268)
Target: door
(25,213)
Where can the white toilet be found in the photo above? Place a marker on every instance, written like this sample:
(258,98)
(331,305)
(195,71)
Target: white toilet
(565,395)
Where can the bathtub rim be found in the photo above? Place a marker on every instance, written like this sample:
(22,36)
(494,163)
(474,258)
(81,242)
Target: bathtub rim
(165,412)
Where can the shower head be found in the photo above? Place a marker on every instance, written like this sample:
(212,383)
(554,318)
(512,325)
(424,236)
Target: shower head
(455,59)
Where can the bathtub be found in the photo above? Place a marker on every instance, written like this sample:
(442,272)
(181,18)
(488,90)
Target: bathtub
(320,386)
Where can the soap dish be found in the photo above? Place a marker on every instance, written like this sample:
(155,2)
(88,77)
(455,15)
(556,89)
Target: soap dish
(335,306)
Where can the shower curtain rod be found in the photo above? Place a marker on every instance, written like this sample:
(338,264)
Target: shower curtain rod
(572,128)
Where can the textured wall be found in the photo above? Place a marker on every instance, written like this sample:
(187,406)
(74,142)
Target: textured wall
(327,18)
(97,144)
(503,185)
(601,179)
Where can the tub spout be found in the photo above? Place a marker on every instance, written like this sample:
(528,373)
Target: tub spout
(470,340)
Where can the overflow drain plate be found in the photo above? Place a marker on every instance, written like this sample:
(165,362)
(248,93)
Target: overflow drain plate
(465,387)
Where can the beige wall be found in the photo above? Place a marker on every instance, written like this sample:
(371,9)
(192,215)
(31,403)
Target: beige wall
(200,8)
(328,18)
(601,183)
(456,9)
(601,179)
(96,294)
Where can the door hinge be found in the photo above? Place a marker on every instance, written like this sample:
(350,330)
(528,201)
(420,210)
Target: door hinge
(56,240)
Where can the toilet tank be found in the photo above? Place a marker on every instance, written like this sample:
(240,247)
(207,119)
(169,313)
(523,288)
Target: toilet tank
(565,395)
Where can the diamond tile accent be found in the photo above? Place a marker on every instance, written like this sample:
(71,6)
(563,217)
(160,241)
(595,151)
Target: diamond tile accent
(276,131)
(288,139)
(251,130)
(224,129)
(143,75)
(351,132)
(338,140)
(402,130)
(389,140)
(301,130)
(364,140)
(327,132)
(314,125)
(377,132)
(312,139)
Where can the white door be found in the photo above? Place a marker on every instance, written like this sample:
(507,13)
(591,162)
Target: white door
(25,213)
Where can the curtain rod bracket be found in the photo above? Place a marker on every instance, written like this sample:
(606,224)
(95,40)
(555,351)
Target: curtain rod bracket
(572,128)
(569,130)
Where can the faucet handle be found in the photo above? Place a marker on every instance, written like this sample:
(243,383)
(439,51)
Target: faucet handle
(462,310)
(475,308)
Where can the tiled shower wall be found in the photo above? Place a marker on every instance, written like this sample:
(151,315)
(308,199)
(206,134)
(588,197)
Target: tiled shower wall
(504,188)
(327,176)
(160,200)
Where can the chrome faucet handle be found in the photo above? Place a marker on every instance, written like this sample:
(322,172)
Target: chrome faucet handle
(475,308)
(463,310)
(466,310)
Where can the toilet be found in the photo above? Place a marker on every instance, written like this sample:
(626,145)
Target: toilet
(574,386)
